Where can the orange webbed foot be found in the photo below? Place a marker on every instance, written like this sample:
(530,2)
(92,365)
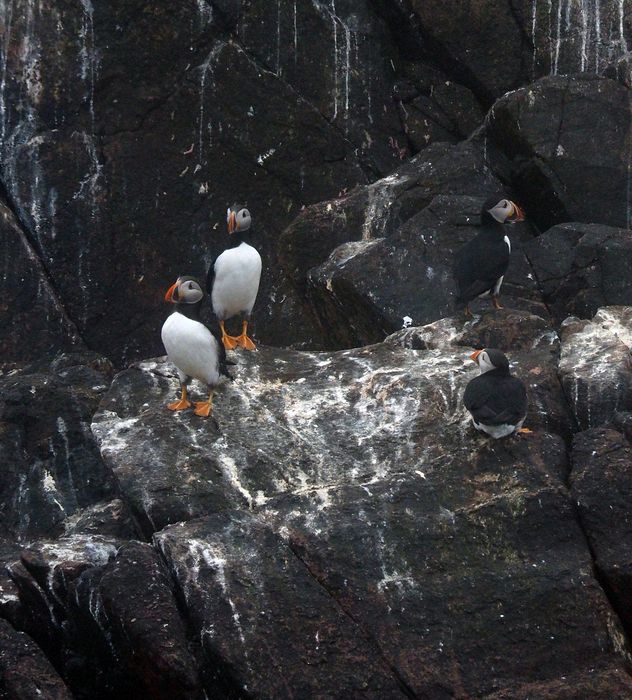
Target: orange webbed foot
(203,408)
(524,431)
(180,405)
(230,343)
(245,342)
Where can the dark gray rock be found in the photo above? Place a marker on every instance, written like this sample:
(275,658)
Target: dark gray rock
(377,211)
(32,319)
(132,608)
(600,483)
(265,620)
(25,673)
(52,467)
(367,290)
(561,141)
(595,366)
(580,267)
(354,513)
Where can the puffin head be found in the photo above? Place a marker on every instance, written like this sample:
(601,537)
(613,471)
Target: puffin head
(504,211)
(488,359)
(185,290)
(238,218)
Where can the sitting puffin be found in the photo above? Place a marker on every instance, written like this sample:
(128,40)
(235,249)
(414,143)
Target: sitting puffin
(496,400)
(233,280)
(482,262)
(191,346)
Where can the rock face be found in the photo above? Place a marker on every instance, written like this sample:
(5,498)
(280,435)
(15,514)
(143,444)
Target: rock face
(561,174)
(595,365)
(337,529)
(346,490)
(602,462)
(108,193)
(580,267)
(53,473)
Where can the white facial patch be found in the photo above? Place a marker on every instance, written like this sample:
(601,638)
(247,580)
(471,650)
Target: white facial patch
(501,211)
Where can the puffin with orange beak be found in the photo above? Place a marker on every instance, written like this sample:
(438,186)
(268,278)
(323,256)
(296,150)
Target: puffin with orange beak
(481,263)
(233,279)
(496,400)
(191,346)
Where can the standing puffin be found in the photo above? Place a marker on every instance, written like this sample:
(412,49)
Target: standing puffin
(191,346)
(233,280)
(496,400)
(482,262)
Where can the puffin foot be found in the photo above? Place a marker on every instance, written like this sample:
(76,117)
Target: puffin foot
(524,431)
(245,342)
(230,342)
(180,405)
(203,408)
(496,303)
(467,312)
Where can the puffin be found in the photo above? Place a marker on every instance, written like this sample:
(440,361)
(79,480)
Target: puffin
(232,282)
(481,263)
(496,400)
(191,346)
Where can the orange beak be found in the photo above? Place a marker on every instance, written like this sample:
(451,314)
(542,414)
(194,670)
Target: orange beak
(232,222)
(475,354)
(170,291)
(518,213)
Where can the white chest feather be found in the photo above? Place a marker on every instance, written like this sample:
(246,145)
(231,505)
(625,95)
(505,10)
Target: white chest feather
(237,275)
(192,348)
(508,242)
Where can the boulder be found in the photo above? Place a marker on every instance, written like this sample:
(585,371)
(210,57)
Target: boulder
(52,467)
(595,368)
(377,210)
(339,506)
(25,673)
(368,289)
(580,267)
(537,136)
(600,484)
(129,604)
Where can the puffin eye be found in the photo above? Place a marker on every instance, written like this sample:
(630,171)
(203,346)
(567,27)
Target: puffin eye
(244,213)
(190,285)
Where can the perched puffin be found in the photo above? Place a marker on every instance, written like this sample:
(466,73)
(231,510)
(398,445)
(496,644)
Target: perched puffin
(496,400)
(233,279)
(191,346)
(482,262)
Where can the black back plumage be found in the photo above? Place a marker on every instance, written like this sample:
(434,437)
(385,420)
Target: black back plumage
(496,398)
(481,262)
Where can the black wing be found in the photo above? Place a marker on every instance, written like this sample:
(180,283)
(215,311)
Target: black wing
(478,267)
(210,279)
(496,400)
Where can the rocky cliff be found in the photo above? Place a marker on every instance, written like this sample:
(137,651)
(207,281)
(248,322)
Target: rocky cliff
(337,529)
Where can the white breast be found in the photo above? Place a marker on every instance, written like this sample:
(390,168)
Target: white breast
(237,275)
(508,242)
(498,431)
(192,348)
